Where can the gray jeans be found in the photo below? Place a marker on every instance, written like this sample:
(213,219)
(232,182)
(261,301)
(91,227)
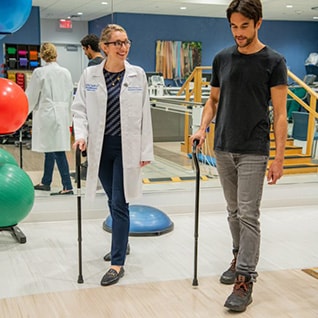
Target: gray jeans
(242,179)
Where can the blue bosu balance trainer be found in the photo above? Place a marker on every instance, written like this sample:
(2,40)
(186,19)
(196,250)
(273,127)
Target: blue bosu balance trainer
(144,221)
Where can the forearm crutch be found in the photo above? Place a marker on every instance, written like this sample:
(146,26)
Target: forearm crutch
(196,217)
(78,153)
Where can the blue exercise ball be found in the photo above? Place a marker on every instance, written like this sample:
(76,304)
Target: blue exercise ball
(16,195)
(6,157)
(13,15)
(144,221)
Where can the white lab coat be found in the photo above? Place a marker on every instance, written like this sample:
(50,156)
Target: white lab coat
(89,117)
(50,95)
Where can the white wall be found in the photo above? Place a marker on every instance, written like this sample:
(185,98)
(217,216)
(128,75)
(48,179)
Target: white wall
(75,61)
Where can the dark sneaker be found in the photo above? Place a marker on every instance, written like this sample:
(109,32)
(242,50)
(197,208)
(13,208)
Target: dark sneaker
(228,277)
(241,296)
(42,187)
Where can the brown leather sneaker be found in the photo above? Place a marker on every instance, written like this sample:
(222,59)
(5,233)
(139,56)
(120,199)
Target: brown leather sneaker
(241,296)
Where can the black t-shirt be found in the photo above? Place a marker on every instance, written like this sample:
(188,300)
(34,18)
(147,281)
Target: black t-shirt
(97,60)
(242,121)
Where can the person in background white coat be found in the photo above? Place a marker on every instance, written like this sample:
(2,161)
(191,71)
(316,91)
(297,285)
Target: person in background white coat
(112,119)
(50,95)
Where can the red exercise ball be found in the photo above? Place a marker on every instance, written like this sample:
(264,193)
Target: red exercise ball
(14,106)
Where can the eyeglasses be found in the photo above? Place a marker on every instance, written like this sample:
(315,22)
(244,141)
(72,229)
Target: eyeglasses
(119,44)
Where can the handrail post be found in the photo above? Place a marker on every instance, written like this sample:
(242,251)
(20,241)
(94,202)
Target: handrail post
(311,126)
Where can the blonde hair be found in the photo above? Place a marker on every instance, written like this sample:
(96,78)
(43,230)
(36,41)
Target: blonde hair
(48,52)
(108,30)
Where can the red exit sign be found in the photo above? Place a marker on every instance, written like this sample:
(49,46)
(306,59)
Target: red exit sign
(65,24)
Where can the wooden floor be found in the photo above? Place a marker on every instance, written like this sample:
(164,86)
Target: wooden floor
(38,279)
(289,293)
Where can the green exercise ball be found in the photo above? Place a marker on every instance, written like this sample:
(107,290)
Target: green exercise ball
(16,195)
(6,157)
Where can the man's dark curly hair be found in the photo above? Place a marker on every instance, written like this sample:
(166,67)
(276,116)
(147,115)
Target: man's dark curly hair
(251,9)
(91,40)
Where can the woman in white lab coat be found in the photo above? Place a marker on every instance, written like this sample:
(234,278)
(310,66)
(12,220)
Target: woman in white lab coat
(112,119)
(50,95)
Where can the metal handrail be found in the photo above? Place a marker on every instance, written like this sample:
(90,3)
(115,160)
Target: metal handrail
(311,108)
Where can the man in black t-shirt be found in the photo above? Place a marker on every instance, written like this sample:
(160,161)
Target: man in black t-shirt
(245,79)
(90,45)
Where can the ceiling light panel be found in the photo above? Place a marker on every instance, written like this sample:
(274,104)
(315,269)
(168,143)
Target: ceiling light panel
(212,2)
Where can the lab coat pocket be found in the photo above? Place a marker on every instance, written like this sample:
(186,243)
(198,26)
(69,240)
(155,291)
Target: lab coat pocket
(133,153)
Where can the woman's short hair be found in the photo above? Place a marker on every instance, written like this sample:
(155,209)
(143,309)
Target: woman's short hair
(48,52)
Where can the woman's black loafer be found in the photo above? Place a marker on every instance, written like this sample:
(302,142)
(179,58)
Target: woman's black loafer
(112,277)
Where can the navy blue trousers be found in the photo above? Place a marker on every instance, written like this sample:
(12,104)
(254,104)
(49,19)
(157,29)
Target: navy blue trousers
(111,178)
(62,164)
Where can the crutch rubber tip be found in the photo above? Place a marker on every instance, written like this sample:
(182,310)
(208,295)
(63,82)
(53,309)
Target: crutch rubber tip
(80,280)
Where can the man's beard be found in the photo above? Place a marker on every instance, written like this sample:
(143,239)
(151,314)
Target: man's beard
(247,42)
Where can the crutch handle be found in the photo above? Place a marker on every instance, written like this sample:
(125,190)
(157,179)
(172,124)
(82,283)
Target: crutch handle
(195,158)
(77,156)
(195,145)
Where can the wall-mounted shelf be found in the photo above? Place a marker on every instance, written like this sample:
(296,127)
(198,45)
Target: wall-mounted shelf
(20,61)
(22,57)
